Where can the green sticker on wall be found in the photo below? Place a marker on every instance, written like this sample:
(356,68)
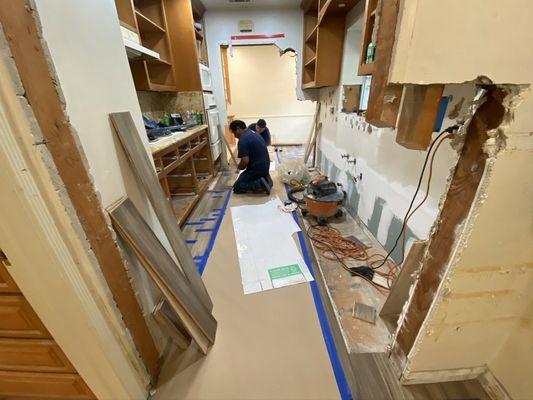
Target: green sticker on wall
(285,271)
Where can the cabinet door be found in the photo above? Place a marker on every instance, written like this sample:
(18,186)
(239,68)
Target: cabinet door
(33,355)
(43,385)
(7,285)
(17,319)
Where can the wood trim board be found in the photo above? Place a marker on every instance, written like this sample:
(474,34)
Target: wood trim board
(196,319)
(40,89)
(166,318)
(143,169)
(399,292)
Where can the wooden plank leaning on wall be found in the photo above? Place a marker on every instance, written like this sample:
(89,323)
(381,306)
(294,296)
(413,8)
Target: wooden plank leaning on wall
(23,36)
(142,166)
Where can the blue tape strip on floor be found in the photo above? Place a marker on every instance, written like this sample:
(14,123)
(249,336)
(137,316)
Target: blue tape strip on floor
(216,191)
(217,209)
(207,219)
(191,241)
(211,243)
(338,371)
(194,223)
(204,230)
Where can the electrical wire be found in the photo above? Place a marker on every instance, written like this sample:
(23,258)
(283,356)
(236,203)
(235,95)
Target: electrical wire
(448,130)
(333,246)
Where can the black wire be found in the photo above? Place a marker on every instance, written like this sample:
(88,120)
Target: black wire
(447,130)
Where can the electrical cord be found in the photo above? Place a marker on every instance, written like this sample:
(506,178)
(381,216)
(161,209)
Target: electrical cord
(450,129)
(333,246)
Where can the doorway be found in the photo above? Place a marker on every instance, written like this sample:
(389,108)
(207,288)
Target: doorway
(260,81)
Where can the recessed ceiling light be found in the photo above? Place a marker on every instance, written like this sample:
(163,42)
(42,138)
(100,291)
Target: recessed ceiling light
(342,5)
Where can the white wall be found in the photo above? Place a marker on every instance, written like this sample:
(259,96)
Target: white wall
(222,24)
(270,95)
(88,55)
(482,37)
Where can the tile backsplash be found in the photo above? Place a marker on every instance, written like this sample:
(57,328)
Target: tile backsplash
(156,104)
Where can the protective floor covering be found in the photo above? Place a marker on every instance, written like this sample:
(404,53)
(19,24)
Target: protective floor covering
(269,345)
(261,268)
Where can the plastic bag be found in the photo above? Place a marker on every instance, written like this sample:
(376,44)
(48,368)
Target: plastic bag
(293,172)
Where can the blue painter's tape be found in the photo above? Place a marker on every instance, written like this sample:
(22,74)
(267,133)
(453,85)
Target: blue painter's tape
(204,230)
(191,241)
(207,219)
(215,232)
(216,191)
(217,209)
(198,258)
(443,105)
(338,371)
(194,223)
(217,197)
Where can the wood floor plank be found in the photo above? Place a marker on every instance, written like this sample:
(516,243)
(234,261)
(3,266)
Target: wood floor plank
(143,168)
(164,271)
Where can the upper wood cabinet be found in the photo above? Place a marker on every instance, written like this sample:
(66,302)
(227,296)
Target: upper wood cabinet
(168,28)
(323,41)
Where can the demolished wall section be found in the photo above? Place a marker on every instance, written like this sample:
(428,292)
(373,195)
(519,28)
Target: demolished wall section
(481,312)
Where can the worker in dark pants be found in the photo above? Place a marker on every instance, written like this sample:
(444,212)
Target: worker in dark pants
(255,161)
(260,127)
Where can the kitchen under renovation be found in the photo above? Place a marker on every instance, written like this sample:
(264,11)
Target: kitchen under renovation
(266,200)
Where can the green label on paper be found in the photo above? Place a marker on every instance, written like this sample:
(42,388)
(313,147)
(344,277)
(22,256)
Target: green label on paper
(283,272)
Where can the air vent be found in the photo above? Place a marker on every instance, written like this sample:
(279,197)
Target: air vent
(246,25)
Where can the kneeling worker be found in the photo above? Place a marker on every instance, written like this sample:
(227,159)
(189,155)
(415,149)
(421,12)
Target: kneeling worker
(255,160)
(260,127)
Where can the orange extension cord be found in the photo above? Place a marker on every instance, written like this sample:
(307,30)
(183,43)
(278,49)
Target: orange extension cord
(333,246)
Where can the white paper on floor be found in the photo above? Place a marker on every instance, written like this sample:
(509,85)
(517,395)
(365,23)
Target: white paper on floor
(268,255)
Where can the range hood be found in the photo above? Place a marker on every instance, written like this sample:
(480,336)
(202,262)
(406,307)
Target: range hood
(134,49)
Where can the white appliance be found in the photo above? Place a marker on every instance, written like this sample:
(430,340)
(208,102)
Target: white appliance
(205,76)
(213,121)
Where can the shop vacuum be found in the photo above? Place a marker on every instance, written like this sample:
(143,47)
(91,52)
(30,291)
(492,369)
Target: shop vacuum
(322,198)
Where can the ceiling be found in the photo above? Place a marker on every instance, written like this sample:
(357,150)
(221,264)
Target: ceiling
(225,4)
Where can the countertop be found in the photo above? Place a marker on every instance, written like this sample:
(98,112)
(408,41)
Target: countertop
(175,138)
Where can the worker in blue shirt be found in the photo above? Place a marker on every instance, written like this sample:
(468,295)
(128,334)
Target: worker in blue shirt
(261,128)
(255,161)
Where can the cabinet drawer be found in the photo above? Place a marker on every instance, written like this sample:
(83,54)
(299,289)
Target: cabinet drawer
(43,385)
(17,319)
(7,285)
(38,355)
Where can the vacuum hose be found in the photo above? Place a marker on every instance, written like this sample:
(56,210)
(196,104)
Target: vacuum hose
(291,192)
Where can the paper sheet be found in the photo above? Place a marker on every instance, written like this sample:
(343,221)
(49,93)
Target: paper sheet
(268,255)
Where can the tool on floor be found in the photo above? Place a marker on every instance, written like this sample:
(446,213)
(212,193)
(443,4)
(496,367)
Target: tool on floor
(322,198)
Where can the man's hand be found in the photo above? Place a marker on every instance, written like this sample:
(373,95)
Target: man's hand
(243,163)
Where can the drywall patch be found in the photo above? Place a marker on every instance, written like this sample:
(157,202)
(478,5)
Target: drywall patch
(395,229)
(373,222)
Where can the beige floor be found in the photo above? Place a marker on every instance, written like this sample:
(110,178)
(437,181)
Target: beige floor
(269,345)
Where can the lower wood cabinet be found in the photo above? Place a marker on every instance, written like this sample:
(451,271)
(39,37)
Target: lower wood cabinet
(43,385)
(33,355)
(32,365)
